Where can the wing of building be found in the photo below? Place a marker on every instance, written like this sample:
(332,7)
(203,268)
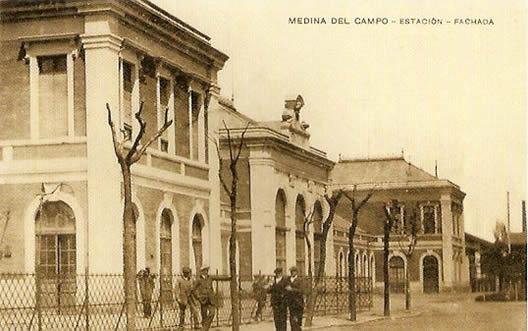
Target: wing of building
(62,62)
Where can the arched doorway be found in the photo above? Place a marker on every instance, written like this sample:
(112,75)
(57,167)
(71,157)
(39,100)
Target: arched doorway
(280,230)
(166,254)
(197,240)
(430,274)
(397,274)
(56,253)
(300,250)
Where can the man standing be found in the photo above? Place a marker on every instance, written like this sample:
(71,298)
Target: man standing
(295,299)
(146,287)
(203,287)
(259,293)
(278,302)
(186,298)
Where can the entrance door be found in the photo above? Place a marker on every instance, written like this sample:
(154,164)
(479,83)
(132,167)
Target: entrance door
(55,255)
(397,274)
(166,256)
(430,274)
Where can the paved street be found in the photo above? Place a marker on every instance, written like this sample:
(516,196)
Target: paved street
(461,315)
(430,312)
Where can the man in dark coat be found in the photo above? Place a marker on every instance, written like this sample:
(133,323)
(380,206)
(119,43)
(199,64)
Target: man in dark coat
(295,299)
(146,287)
(203,287)
(278,302)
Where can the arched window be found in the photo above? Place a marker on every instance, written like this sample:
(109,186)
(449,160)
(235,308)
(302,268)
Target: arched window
(280,230)
(197,237)
(365,266)
(318,229)
(397,274)
(340,263)
(166,255)
(56,252)
(300,251)
(372,270)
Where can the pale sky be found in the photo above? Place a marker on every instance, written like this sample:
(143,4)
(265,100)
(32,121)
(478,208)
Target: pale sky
(452,93)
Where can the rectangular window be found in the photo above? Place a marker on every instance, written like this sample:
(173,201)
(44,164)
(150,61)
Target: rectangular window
(53,96)
(195,125)
(128,86)
(164,98)
(181,119)
(429,219)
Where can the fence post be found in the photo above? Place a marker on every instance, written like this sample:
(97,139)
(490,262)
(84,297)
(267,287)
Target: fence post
(239,299)
(325,295)
(38,299)
(160,298)
(217,300)
(87,299)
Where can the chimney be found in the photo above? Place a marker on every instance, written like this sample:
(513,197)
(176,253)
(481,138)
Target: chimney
(523,210)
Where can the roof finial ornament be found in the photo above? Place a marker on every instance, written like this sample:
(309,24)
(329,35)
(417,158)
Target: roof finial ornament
(299,103)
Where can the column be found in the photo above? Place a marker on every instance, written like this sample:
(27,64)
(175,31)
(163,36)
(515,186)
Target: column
(447,244)
(105,230)
(214,198)
(263,193)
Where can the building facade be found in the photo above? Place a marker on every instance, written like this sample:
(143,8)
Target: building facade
(61,64)
(439,261)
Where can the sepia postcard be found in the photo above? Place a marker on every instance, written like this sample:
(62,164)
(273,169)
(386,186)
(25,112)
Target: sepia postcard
(263,165)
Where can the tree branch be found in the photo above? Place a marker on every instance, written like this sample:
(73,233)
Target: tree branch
(142,126)
(229,142)
(241,143)
(220,168)
(152,139)
(117,145)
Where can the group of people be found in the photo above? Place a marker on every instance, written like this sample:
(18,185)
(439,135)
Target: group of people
(199,298)
(287,295)
(191,294)
(196,295)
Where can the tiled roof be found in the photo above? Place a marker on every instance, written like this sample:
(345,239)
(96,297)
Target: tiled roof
(382,170)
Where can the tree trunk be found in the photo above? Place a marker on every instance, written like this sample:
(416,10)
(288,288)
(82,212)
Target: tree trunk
(407,288)
(386,291)
(312,291)
(351,276)
(129,249)
(233,284)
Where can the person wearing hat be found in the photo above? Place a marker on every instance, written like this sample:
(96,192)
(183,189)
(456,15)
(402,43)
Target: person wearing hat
(295,299)
(186,298)
(203,287)
(278,302)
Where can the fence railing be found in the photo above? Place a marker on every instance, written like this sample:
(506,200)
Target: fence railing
(96,302)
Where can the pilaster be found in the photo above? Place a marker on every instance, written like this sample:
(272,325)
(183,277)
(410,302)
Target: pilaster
(447,242)
(263,193)
(104,176)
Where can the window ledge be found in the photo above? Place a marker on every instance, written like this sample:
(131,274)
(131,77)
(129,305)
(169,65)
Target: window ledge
(48,141)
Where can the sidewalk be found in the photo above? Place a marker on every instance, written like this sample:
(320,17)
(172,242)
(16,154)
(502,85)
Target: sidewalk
(322,322)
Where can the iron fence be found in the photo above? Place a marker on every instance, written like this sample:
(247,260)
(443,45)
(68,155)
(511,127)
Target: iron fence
(97,302)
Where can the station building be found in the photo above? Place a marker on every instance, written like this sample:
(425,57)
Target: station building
(62,62)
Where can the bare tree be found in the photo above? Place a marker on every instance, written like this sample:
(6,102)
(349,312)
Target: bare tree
(126,159)
(356,207)
(332,201)
(234,156)
(387,227)
(407,238)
